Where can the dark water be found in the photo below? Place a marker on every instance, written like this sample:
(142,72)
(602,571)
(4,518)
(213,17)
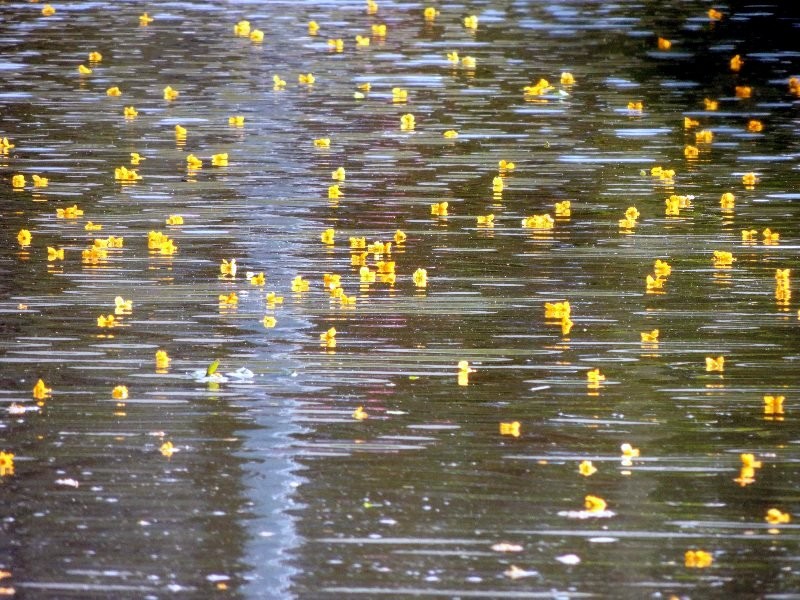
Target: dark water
(275,489)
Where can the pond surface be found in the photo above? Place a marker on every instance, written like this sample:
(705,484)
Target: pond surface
(462,482)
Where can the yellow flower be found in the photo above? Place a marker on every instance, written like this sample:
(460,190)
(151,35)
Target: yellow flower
(228,268)
(715,364)
(94,255)
(334,191)
(714,15)
(228,299)
(236,121)
(538,222)
(95,57)
(358,242)
(453,57)
(41,391)
(631,213)
(328,338)
(120,392)
(697,559)
(710,104)
(654,283)
(727,200)
(339,174)
(407,122)
(567,78)
(635,106)
(749,235)
(322,143)
(540,87)
(193,163)
(468,62)
(84,70)
(691,152)
(594,504)
(170,93)
(746,476)
(24,237)
(366,275)
(400,237)
(124,174)
(257,36)
(743,91)
(664,44)
(145,19)
(372,7)
(54,254)
(662,268)
(362,41)
(306,78)
(106,321)
(594,376)
(71,212)
(485,220)
(167,449)
(773,405)
(130,112)
(770,236)
(92,226)
(706,136)
(450,133)
(471,22)
(278,83)
(723,259)
(6,462)
(257,279)
(586,468)
(794,86)
(755,126)
(749,179)
(219,160)
(122,305)
(420,278)
(736,63)
(18,181)
(689,123)
(629,451)
(242,28)
(113,91)
(439,209)
(162,359)
(5,144)
(269,322)
(48,10)
(497,184)
(272,299)
(749,460)
(430,13)
(556,310)
(360,414)
(174,220)
(673,207)
(399,95)
(336,44)
(775,517)
(299,284)
(511,428)
(650,336)
(365,87)
(563,209)
(313,27)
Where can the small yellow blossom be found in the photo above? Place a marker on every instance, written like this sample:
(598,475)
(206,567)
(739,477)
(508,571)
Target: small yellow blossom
(773,405)
(170,93)
(471,22)
(18,181)
(162,359)
(84,70)
(594,504)
(697,559)
(706,136)
(328,338)
(556,310)
(688,123)
(334,191)
(539,88)
(715,364)
(359,414)
(749,460)
(71,212)
(92,226)
(322,143)
(636,106)
(145,19)
(485,220)
(629,451)
(228,269)
(372,7)
(257,279)
(299,284)
(120,392)
(24,237)
(126,175)
(631,213)
(231,299)
(180,132)
(563,209)
(358,242)
(95,57)
(544,221)
(339,174)
(420,278)
(278,83)
(430,13)
(400,237)
(193,163)
(48,10)
(714,14)
(650,336)
(439,209)
(594,376)
(114,91)
(673,207)
(749,179)
(505,165)
(129,112)
(691,152)
(257,36)
(41,391)
(468,62)
(5,144)
(272,299)
(722,259)
(336,44)
(627,223)
(39,181)
(306,78)
(219,160)
(755,126)
(736,63)
(775,517)
(727,200)
(174,220)
(710,104)
(654,283)
(497,184)
(450,134)
(167,449)
(743,91)
(662,268)
(54,254)
(122,306)
(407,122)
(511,428)
(664,44)
(567,78)
(586,468)
(269,321)
(6,461)
(453,57)
(313,28)
(236,121)
(749,235)
(362,41)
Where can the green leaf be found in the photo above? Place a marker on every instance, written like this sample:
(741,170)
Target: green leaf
(212,368)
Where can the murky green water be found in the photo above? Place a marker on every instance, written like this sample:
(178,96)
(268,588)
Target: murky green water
(274,488)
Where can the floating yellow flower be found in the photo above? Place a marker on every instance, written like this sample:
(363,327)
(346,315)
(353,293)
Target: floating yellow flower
(544,221)
(594,504)
(193,163)
(749,179)
(236,121)
(93,255)
(41,391)
(430,13)
(697,559)
(24,237)
(794,86)
(773,405)
(242,28)
(167,449)
(770,237)
(170,93)
(92,226)
(95,57)
(420,278)
(749,235)
(6,461)
(273,299)
(631,213)
(511,428)
(399,95)
(84,70)
(278,83)
(557,310)
(654,283)
(231,299)
(497,184)
(485,220)
(468,62)
(336,44)
(334,191)
(439,209)
(313,28)
(130,112)
(664,44)
(358,242)
(162,359)
(636,106)
(125,174)
(567,78)
(463,372)
(749,460)
(366,275)
(691,152)
(629,451)
(755,126)
(71,212)
(736,63)
(322,143)
(714,14)
(48,10)
(775,517)
(257,36)
(54,254)
(5,145)
(706,136)
(362,41)
(306,78)
(539,88)
(689,123)
(407,122)
(360,414)
(727,201)
(327,236)
(743,91)
(122,306)
(450,134)
(174,220)
(723,259)
(627,223)
(339,174)
(228,269)
(299,284)
(662,268)
(594,376)
(372,7)
(710,104)
(586,468)
(715,364)
(673,206)
(471,22)
(145,19)
(18,181)
(453,57)
(400,236)
(114,91)
(328,338)
(120,392)
(269,322)
(106,321)
(257,279)
(650,336)
(365,87)
(219,160)
(563,209)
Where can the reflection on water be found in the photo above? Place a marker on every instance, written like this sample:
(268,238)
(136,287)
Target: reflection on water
(274,487)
